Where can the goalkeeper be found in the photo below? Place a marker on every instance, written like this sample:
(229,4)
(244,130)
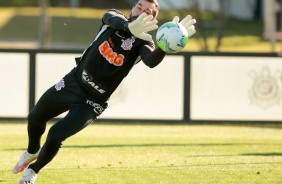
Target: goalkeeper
(120,43)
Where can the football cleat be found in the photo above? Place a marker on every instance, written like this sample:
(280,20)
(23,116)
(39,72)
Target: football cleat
(28,177)
(24,161)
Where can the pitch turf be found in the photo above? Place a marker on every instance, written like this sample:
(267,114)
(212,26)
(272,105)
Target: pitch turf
(154,154)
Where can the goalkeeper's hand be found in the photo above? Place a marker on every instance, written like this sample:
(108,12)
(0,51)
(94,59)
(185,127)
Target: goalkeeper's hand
(188,23)
(141,25)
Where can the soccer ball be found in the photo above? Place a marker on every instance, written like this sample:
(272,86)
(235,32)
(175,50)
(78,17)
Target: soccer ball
(172,37)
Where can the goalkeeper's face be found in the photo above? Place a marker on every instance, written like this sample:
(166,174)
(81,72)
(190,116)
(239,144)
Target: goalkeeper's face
(144,6)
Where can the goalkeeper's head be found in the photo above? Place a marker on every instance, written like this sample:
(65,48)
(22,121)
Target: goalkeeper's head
(150,7)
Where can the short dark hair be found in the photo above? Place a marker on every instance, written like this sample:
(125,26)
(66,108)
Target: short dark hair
(155,12)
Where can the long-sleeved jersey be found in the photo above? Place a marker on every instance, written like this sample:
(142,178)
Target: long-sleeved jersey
(112,54)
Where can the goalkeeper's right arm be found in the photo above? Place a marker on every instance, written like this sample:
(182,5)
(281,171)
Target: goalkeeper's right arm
(116,20)
(138,27)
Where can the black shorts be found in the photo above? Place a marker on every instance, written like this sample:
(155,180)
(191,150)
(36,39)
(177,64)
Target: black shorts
(68,95)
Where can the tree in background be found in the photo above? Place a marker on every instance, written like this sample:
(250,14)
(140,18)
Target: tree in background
(18,3)
(45,29)
(202,31)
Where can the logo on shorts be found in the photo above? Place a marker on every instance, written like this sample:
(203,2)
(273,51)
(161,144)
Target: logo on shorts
(60,85)
(96,107)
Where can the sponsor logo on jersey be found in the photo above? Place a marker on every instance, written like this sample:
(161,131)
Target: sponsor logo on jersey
(60,85)
(87,78)
(127,44)
(110,55)
(97,108)
(111,42)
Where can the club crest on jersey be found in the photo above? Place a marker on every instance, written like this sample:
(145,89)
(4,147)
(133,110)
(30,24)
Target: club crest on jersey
(60,85)
(127,44)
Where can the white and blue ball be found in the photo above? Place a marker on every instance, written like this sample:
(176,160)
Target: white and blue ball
(172,37)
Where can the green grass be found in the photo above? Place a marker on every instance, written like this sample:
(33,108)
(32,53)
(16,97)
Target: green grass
(155,154)
(77,28)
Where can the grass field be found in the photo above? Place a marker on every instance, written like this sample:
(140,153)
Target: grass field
(155,154)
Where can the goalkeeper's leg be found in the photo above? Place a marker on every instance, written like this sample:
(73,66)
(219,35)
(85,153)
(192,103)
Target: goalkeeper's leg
(49,105)
(79,116)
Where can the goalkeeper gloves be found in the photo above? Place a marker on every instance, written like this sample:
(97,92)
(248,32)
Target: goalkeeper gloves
(141,25)
(188,23)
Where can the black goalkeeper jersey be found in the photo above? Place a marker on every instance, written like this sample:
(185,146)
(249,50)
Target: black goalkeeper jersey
(111,55)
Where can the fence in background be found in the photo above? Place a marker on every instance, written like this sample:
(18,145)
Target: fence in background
(185,87)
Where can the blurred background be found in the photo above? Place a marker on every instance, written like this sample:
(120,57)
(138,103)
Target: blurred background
(230,69)
(222,25)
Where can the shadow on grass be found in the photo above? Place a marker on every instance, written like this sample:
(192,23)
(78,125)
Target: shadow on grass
(168,145)
(175,145)
(157,145)
(262,154)
(162,145)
